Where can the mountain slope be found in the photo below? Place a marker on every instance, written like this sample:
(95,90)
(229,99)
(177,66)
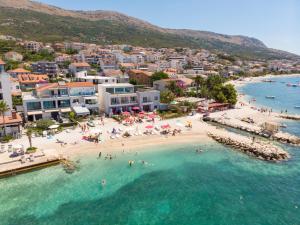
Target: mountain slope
(36,21)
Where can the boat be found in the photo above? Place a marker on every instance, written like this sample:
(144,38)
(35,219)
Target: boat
(292,85)
(297,107)
(270,97)
(269,81)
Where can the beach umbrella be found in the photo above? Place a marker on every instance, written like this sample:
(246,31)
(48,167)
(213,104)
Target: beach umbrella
(135,108)
(149,127)
(55,126)
(165,126)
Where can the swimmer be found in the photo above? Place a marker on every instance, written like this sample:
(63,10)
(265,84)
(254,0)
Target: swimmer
(103,182)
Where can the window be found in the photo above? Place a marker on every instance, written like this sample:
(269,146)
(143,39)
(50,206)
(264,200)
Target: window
(114,101)
(129,90)
(110,90)
(0,85)
(156,98)
(34,105)
(145,99)
(132,99)
(119,90)
(106,81)
(124,100)
(49,104)
(63,103)
(90,101)
(1,96)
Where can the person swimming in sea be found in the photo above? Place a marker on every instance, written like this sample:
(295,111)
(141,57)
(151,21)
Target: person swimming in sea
(103,182)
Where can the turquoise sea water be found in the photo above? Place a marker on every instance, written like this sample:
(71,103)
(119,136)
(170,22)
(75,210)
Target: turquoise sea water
(176,186)
(286,97)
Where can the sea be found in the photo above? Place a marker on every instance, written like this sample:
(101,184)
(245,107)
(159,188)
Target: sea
(166,184)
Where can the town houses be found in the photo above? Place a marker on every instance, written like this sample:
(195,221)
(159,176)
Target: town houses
(90,79)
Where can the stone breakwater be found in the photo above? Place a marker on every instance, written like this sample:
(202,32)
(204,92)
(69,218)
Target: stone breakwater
(289,117)
(256,130)
(260,150)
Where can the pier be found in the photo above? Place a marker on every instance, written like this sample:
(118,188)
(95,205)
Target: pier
(260,150)
(15,167)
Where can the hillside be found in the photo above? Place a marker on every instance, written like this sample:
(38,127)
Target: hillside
(36,21)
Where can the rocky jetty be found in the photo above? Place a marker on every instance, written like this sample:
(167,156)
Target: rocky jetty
(289,117)
(256,130)
(260,150)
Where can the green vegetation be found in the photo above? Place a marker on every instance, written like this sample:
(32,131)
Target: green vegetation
(44,124)
(11,65)
(177,91)
(51,28)
(167,96)
(38,56)
(6,139)
(31,150)
(17,100)
(159,76)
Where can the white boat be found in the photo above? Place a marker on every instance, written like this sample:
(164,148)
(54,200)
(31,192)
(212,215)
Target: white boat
(271,97)
(297,107)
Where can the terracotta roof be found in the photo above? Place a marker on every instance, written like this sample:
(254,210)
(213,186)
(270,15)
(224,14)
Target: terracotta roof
(1,62)
(140,72)
(80,84)
(127,65)
(9,120)
(112,73)
(81,64)
(69,85)
(32,78)
(18,70)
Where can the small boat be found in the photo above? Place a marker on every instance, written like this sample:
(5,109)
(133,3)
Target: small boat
(269,81)
(292,85)
(297,107)
(270,97)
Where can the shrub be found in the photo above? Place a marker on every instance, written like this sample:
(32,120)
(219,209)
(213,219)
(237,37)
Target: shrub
(31,150)
(6,138)
(44,124)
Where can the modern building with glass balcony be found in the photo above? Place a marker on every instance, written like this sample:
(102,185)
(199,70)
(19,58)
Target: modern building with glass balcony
(55,99)
(121,97)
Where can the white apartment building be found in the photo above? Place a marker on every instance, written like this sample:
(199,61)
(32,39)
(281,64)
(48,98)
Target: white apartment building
(121,97)
(54,99)
(84,77)
(5,87)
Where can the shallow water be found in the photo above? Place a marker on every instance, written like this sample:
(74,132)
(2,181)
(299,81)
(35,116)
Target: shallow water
(175,186)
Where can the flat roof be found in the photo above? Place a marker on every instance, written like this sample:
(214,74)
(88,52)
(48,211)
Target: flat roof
(116,85)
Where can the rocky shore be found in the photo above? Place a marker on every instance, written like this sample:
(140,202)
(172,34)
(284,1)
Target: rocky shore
(289,117)
(260,150)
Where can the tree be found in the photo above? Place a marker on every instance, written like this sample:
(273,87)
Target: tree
(230,93)
(3,108)
(200,82)
(159,76)
(213,81)
(29,133)
(173,87)
(167,96)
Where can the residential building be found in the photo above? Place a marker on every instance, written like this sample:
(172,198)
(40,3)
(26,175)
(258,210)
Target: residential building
(78,67)
(5,87)
(13,56)
(55,99)
(19,71)
(117,74)
(141,77)
(33,46)
(84,77)
(43,67)
(29,81)
(12,119)
(117,98)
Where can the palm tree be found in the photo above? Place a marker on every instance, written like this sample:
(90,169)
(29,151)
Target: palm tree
(29,135)
(3,108)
